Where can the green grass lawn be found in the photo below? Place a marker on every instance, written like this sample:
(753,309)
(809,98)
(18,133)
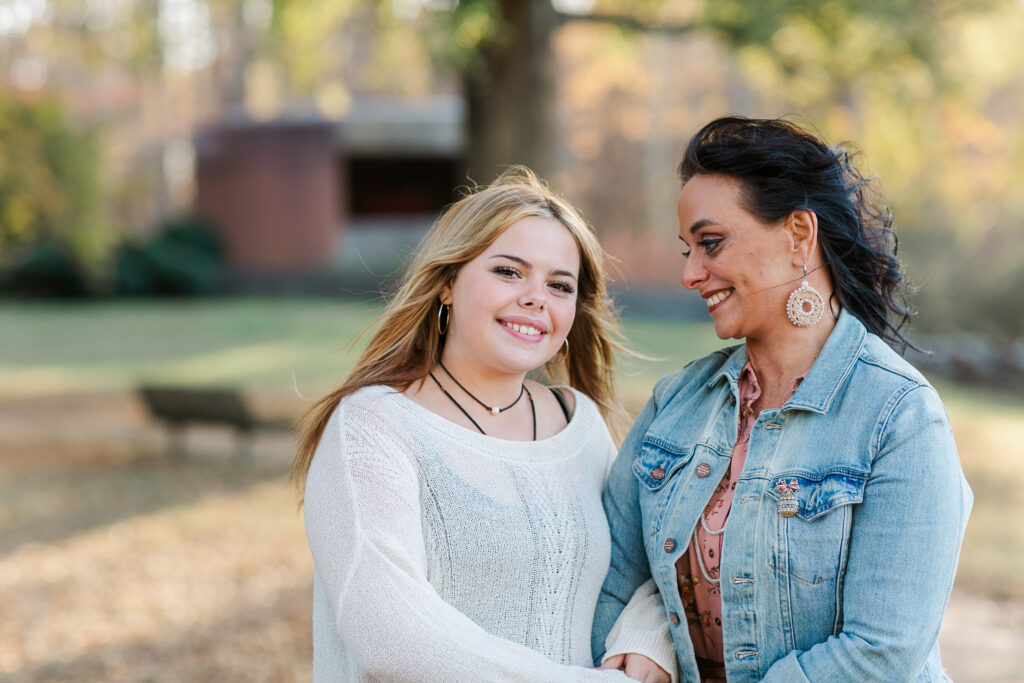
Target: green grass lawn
(47,348)
(292,348)
(74,347)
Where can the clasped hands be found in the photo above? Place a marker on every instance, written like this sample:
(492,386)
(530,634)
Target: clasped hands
(637,667)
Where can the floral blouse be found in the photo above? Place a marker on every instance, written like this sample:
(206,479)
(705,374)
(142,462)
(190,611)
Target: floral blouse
(697,572)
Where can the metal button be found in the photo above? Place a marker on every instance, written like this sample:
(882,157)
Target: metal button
(658,473)
(670,545)
(703,469)
(674,618)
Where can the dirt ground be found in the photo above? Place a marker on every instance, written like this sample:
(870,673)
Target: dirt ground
(119,563)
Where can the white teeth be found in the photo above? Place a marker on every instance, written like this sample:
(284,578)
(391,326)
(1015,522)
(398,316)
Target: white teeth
(523,329)
(718,298)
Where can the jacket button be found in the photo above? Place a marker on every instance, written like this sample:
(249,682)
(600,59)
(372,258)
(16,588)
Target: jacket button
(658,473)
(732,400)
(670,545)
(703,469)
(674,618)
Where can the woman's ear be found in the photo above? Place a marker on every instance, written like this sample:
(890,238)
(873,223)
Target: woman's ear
(803,234)
(446,295)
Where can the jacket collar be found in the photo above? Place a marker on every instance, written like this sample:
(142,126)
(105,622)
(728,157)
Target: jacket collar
(826,376)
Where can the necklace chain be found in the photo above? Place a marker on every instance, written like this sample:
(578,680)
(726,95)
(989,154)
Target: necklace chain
(710,531)
(700,560)
(494,410)
(533,408)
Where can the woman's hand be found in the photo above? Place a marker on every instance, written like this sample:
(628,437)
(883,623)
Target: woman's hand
(637,667)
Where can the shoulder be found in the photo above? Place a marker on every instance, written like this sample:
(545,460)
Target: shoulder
(587,423)
(374,403)
(884,374)
(882,362)
(367,421)
(554,395)
(582,408)
(363,450)
(376,397)
(889,402)
(697,373)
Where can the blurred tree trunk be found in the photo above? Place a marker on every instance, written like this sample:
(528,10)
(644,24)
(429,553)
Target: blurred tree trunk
(237,50)
(511,100)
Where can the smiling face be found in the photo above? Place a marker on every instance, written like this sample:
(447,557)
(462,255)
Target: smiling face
(513,305)
(742,268)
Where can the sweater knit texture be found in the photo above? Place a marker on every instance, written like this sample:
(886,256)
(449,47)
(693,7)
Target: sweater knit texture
(442,554)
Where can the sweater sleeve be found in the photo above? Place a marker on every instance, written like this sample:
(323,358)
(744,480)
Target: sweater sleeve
(629,567)
(363,522)
(643,628)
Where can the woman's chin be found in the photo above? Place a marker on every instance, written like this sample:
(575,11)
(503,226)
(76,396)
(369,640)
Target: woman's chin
(723,330)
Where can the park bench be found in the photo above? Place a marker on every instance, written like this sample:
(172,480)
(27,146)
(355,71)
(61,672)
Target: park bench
(180,406)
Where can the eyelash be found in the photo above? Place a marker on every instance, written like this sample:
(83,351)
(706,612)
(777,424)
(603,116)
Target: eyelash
(710,245)
(562,286)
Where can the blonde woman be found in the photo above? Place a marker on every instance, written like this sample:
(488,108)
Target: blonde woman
(452,506)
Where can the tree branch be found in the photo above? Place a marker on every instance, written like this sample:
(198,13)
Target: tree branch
(631,23)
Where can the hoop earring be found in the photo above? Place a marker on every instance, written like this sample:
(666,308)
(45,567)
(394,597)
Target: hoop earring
(445,314)
(562,354)
(805,306)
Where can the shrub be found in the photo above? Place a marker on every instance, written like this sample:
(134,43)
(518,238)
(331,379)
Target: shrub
(47,270)
(183,259)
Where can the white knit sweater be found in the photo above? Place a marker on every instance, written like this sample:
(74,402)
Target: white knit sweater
(442,554)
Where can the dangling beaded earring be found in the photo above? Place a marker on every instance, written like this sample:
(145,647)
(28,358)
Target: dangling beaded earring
(805,306)
(443,314)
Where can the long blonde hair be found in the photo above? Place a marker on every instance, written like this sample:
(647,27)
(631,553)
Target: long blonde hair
(407,344)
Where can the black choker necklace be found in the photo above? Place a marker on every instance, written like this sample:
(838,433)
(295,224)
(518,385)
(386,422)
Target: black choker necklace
(495,410)
(533,408)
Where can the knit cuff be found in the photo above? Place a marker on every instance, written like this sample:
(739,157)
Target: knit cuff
(643,629)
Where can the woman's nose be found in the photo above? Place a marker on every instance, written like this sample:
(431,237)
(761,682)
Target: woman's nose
(534,296)
(694,273)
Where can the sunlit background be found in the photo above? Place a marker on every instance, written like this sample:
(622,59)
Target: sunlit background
(212,195)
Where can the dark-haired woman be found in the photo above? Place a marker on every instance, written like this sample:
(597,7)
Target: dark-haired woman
(797,498)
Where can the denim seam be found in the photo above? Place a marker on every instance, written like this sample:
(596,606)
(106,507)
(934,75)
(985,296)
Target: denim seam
(823,474)
(844,559)
(665,445)
(805,582)
(888,411)
(880,363)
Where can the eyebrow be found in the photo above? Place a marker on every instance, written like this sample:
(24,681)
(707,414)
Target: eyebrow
(526,264)
(700,224)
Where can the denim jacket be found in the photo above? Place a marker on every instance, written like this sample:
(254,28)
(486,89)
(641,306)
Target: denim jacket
(854,585)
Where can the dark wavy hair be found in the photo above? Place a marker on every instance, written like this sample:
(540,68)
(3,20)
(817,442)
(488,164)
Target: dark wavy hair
(782,168)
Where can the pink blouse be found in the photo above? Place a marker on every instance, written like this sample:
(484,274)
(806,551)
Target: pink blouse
(697,572)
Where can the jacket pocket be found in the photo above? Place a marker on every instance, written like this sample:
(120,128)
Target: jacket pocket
(811,545)
(658,460)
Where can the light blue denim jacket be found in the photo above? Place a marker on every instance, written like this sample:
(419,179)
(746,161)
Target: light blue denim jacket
(854,585)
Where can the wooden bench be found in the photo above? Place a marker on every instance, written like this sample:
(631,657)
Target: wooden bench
(179,406)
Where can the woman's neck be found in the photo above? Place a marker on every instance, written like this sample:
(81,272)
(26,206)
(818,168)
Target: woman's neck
(779,359)
(488,384)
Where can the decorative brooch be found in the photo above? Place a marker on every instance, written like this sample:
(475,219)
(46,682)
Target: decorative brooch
(788,504)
